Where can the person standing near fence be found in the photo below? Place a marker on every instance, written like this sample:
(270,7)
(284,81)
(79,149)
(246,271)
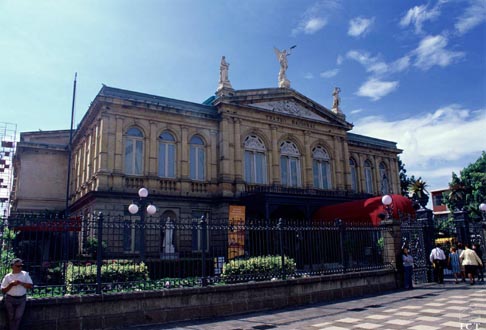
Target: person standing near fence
(437,258)
(407,269)
(14,287)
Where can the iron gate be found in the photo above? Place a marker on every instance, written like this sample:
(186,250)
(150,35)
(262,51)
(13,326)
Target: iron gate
(413,237)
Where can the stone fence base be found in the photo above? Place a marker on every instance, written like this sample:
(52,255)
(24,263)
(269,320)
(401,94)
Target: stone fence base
(112,311)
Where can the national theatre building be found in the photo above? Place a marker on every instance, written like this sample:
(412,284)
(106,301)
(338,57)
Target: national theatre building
(272,150)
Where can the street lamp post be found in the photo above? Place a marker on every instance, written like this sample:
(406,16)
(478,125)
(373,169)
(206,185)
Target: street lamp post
(145,206)
(482,208)
(387,202)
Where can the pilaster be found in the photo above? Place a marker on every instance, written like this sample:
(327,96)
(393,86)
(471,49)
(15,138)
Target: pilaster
(275,156)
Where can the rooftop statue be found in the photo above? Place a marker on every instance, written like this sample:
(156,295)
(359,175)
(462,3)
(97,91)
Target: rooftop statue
(284,64)
(336,101)
(223,75)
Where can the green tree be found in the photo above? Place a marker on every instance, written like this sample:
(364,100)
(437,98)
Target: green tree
(404,179)
(468,190)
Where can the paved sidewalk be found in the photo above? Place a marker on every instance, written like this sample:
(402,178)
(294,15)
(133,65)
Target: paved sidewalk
(426,307)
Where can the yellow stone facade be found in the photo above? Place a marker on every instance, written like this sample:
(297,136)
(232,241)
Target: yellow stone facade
(275,115)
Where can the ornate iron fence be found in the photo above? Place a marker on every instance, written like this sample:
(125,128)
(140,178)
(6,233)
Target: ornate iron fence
(95,254)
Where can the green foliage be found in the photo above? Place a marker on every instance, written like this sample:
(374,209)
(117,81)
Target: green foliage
(417,191)
(380,244)
(7,253)
(444,225)
(404,179)
(115,271)
(267,265)
(91,246)
(468,190)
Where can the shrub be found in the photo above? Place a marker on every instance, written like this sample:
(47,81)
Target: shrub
(7,254)
(91,246)
(83,277)
(258,267)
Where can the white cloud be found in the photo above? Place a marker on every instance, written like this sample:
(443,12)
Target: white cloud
(310,25)
(329,73)
(354,112)
(418,15)
(375,65)
(339,60)
(314,24)
(434,144)
(309,75)
(360,26)
(473,16)
(431,51)
(401,64)
(376,89)
(371,64)
(316,16)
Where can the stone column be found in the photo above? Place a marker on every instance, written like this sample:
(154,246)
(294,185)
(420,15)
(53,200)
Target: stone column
(392,243)
(152,147)
(338,170)
(275,157)
(115,143)
(308,178)
(184,152)
(238,154)
(225,138)
(103,144)
(347,168)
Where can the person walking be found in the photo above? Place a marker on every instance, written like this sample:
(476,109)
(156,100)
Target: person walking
(14,286)
(437,258)
(407,260)
(471,262)
(479,252)
(454,264)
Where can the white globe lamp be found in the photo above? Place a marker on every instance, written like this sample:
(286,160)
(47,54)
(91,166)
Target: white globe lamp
(151,209)
(386,200)
(133,208)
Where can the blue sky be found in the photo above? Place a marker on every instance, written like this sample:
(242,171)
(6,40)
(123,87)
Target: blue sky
(409,71)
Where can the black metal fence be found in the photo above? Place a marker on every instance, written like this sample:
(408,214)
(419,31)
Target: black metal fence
(65,256)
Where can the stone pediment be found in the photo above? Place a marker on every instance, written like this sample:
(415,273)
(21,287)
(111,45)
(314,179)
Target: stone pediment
(289,107)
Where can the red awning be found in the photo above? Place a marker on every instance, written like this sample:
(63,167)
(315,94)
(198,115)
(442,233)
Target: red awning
(364,210)
(72,224)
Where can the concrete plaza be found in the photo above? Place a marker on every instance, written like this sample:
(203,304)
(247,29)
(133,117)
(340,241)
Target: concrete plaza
(426,307)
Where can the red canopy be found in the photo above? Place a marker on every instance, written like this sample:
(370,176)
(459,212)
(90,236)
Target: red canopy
(364,210)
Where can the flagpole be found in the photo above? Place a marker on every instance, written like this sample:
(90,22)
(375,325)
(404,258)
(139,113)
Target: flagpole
(69,147)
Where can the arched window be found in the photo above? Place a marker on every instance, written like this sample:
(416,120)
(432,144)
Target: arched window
(290,164)
(134,151)
(166,155)
(255,160)
(368,172)
(384,183)
(197,158)
(321,165)
(354,175)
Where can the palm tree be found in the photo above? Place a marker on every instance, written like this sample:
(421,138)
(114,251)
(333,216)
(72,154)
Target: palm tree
(417,191)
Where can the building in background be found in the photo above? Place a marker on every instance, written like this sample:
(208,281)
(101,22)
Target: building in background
(439,208)
(40,172)
(8,136)
(272,150)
